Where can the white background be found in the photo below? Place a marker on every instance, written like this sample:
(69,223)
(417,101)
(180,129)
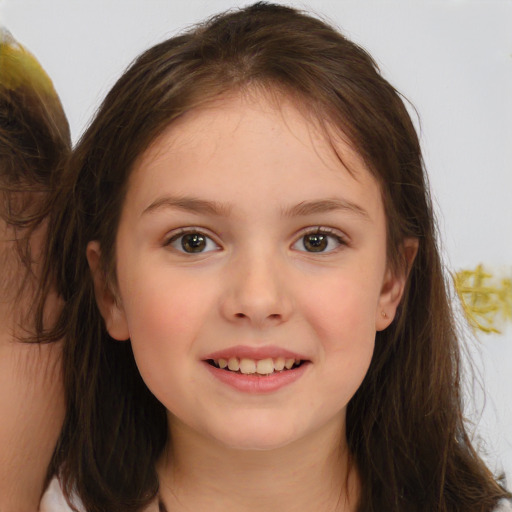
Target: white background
(451,58)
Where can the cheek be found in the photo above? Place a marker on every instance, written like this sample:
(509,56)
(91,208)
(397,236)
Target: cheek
(164,314)
(341,312)
(163,303)
(342,309)
(162,323)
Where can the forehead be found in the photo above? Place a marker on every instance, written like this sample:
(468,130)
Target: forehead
(246,140)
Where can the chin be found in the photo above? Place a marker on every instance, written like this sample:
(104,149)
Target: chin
(256,436)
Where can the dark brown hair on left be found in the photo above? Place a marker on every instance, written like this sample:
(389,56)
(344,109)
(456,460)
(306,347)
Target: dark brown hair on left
(34,143)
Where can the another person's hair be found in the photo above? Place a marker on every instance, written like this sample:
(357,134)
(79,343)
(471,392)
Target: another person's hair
(405,425)
(34,144)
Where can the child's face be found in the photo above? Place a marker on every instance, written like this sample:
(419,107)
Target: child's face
(243,236)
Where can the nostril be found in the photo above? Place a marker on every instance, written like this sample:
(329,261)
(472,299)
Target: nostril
(274,316)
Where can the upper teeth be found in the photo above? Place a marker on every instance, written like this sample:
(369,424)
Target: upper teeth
(261,366)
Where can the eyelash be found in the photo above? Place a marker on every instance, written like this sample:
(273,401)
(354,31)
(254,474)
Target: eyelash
(189,231)
(328,233)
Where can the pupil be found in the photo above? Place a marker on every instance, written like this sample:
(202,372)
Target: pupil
(315,243)
(193,242)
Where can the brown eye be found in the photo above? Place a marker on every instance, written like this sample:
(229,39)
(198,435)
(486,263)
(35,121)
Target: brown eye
(321,240)
(192,243)
(317,242)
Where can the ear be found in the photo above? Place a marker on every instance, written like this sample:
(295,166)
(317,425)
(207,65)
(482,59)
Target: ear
(108,304)
(393,286)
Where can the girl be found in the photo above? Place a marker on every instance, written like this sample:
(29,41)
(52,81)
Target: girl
(256,311)
(34,142)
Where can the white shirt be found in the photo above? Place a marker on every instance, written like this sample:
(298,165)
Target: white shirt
(54,501)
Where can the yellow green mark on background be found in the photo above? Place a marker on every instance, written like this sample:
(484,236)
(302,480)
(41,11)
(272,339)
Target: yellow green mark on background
(18,67)
(486,298)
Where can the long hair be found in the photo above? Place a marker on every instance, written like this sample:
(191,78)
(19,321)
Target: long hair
(405,424)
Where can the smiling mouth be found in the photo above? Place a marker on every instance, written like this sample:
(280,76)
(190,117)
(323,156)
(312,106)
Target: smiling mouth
(260,367)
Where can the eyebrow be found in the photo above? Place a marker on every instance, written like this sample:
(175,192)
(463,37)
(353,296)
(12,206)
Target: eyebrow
(302,209)
(190,204)
(324,205)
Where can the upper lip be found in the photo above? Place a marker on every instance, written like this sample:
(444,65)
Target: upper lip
(256,353)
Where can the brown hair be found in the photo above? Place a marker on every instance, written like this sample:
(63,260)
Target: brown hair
(34,144)
(405,425)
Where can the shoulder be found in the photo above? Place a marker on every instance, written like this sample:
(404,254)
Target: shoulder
(54,501)
(504,506)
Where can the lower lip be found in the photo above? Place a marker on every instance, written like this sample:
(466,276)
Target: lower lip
(258,384)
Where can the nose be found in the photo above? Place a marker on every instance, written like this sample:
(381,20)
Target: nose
(257,292)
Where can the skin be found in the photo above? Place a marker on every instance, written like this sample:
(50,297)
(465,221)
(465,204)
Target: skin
(255,284)
(31,394)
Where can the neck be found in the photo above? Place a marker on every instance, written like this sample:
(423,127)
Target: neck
(310,474)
